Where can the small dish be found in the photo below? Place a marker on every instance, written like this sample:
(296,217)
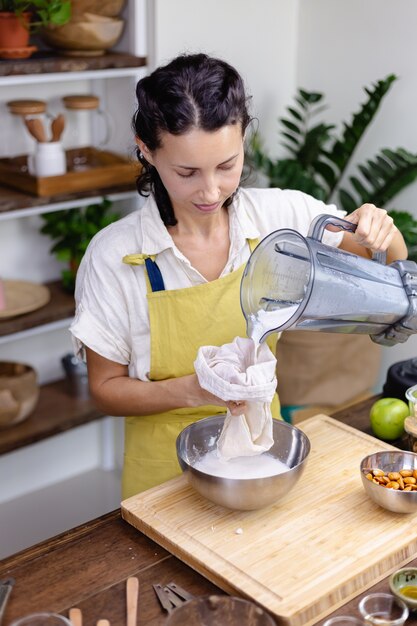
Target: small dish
(390,461)
(216,610)
(379,609)
(403,584)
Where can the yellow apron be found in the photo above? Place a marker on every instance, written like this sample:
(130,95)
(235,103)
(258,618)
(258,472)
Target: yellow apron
(181,321)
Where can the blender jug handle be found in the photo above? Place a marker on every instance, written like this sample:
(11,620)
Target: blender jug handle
(318,226)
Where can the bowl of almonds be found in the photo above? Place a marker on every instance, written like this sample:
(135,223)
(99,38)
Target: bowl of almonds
(390,480)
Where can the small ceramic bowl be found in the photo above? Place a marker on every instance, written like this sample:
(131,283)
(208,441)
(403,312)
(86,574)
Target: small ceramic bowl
(403,584)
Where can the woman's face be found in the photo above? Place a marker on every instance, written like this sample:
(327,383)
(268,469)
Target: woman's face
(199,169)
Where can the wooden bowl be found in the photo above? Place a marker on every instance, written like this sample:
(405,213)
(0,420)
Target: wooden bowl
(19,392)
(109,8)
(90,37)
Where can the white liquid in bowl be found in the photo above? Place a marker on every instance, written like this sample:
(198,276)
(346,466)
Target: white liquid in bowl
(259,466)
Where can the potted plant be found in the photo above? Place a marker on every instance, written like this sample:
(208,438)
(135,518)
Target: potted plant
(20,18)
(332,369)
(72,231)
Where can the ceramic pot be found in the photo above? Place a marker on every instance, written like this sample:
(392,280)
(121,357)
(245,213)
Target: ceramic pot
(19,392)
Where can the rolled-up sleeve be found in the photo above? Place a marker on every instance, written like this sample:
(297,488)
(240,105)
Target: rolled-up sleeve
(101,317)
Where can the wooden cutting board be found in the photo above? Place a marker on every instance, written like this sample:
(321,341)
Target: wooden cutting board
(301,558)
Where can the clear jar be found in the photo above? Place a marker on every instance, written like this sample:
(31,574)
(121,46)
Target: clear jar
(34,117)
(87,123)
(411,395)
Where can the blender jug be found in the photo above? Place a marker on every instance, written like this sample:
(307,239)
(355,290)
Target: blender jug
(294,282)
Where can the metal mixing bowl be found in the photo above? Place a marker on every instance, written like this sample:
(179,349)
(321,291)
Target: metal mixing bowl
(291,446)
(390,461)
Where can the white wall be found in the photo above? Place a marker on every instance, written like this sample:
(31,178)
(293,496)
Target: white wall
(258,38)
(346,45)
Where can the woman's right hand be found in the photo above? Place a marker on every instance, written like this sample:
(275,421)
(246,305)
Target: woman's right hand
(202,397)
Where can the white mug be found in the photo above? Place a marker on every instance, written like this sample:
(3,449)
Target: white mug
(47,160)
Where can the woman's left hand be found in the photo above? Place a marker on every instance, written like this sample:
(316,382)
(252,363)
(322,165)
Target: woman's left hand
(236,408)
(375,228)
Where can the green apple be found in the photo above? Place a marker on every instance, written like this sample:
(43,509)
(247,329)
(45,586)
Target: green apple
(387,417)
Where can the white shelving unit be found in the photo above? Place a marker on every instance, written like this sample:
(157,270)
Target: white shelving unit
(87,453)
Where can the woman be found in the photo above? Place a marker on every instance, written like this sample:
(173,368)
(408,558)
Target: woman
(160,283)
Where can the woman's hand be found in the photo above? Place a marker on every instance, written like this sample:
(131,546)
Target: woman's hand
(202,397)
(376,232)
(375,228)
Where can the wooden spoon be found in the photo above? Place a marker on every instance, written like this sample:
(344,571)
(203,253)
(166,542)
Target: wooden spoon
(57,127)
(36,128)
(103,622)
(132,591)
(76,617)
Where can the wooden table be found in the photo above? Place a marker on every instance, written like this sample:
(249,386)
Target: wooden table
(88,566)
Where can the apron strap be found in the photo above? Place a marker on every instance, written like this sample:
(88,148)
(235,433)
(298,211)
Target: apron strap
(155,276)
(252,244)
(156,282)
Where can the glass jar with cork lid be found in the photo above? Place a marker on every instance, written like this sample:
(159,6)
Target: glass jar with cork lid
(88,123)
(34,117)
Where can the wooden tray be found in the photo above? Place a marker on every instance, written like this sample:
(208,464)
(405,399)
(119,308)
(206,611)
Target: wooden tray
(22,297)
(87,168)
(322,545)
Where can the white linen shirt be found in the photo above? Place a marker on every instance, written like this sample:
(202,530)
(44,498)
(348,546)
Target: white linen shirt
(112,316)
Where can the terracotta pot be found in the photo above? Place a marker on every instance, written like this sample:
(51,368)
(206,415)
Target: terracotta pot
(13,33)
(19,392)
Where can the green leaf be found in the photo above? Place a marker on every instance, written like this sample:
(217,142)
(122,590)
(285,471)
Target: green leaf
(344,147)
(407,225)
(291,126)
(363,192)
(369,175)
(326,172)
(291,138)
(310,97)
(347,202)
(395,175)
(295,114)
(72,230)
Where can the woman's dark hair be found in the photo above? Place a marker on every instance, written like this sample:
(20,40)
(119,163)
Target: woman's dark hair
(192,91)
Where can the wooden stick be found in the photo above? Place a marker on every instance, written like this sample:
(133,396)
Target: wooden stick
(76,617)
(132,591)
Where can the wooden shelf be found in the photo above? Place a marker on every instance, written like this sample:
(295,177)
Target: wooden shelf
(47,62)
(61,306)
(12,200)
(56,412)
